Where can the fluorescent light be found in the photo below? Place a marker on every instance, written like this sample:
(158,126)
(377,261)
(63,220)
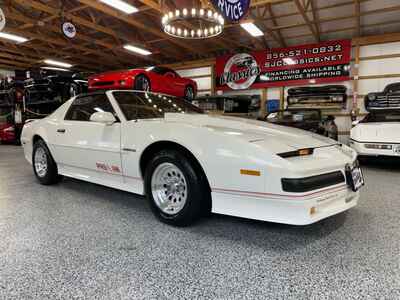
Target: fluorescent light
(13,37)
(289,61)
(57,63)
(252,29)
(121,5)
(55,69)
(137,50)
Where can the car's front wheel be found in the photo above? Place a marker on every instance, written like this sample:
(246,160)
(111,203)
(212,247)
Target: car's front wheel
(177,193)
(142,83)
(44,166)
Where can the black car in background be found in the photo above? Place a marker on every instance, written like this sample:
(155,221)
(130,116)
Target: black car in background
(328,96)
(54,88)
(306,119)
(11,91)
(227,104)
(389,98)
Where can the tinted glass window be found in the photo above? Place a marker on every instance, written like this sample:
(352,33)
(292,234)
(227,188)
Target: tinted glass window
(163,70)
(294,115)
(383,117)
(150,106)
(83,107)
(392,88)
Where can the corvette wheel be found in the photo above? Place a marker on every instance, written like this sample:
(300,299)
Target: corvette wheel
(142,83)
(189,93)
(44,165)
(175,190)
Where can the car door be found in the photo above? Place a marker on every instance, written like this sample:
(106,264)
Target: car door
(88,149)
(176,83)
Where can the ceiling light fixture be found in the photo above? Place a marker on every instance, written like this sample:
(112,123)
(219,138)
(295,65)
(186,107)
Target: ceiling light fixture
(252,29)
(204,23)
(13,37)
(57,63)
(121,5)
(137,50)
(55,69)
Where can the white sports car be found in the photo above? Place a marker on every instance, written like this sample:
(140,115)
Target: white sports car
(378,134)
(188,163)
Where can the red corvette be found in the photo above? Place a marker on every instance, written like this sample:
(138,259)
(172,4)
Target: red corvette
(7,133)
(154,79)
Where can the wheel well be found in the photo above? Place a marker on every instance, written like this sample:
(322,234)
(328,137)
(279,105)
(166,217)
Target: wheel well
(36,138)
(154,148)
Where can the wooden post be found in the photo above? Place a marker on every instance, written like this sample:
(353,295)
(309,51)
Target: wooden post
(213,79)
(263,110)
(354,106)
(282,97)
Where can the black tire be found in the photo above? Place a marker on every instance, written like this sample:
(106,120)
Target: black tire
(51,175)
(198,193)
(140,83)
(189,93)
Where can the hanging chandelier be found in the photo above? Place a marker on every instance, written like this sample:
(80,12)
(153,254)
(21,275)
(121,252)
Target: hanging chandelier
(193,23)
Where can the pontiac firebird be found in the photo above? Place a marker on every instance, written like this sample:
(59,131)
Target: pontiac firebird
(188,163)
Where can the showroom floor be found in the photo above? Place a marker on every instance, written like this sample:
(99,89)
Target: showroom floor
(81,240)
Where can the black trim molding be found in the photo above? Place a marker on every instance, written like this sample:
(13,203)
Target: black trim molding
(306,184)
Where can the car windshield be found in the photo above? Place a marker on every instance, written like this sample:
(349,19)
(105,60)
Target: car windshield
(392,88)
(136,105)
(286,115)
(381,117)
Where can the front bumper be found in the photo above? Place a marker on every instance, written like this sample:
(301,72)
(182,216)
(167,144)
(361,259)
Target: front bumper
(362,150)
(299,209)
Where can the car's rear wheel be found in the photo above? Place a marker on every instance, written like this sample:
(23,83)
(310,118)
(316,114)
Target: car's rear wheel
(175,191)
(44,166)
(189,93)
(142,83)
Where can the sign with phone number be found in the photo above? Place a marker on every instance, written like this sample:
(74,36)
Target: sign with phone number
(299,65)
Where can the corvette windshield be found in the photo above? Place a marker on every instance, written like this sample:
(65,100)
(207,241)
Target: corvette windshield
(135,105)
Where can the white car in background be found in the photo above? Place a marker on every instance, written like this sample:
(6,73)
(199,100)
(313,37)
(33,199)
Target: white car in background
(188,163)
(378,134)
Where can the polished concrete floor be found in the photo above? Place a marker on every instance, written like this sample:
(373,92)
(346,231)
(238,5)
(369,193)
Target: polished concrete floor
(80,240)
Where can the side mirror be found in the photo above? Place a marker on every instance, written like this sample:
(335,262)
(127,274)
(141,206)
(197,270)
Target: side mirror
(104,117)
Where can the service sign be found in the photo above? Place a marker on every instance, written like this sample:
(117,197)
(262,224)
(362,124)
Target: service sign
(300,65)
(232,10)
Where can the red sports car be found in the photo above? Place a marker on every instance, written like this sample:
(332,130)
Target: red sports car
(154,79)
(7,133)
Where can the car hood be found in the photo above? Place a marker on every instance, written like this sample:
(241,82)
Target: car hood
(383,132)
(277,138)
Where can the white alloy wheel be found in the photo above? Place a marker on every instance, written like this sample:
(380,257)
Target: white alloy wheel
(169,188)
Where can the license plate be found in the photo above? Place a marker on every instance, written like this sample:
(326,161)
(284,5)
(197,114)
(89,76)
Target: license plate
(357,178)
(396,149)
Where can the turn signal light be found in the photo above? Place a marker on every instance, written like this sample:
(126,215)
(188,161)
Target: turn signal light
(313,210)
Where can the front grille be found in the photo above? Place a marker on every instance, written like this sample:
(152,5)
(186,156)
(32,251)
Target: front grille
(306,184)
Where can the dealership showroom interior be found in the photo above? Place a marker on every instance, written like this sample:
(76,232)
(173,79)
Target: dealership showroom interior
(200,149)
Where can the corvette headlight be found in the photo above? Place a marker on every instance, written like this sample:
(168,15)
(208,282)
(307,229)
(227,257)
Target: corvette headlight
(337,98)
(371,97)
(122,82)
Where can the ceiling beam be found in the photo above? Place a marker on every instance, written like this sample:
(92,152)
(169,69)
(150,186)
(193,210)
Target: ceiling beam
(131,21)
(315,18)
(357,13)
(275,23)
(303,13)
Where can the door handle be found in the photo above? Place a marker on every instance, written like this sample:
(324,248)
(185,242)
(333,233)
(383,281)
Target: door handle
(61,130)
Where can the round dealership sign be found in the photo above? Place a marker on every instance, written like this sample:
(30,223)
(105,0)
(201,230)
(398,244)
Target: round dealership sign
(240,72)
(2,20)
(69,30)
(232,10)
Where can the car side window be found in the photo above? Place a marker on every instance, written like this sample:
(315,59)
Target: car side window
(83,107)
(134,108)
